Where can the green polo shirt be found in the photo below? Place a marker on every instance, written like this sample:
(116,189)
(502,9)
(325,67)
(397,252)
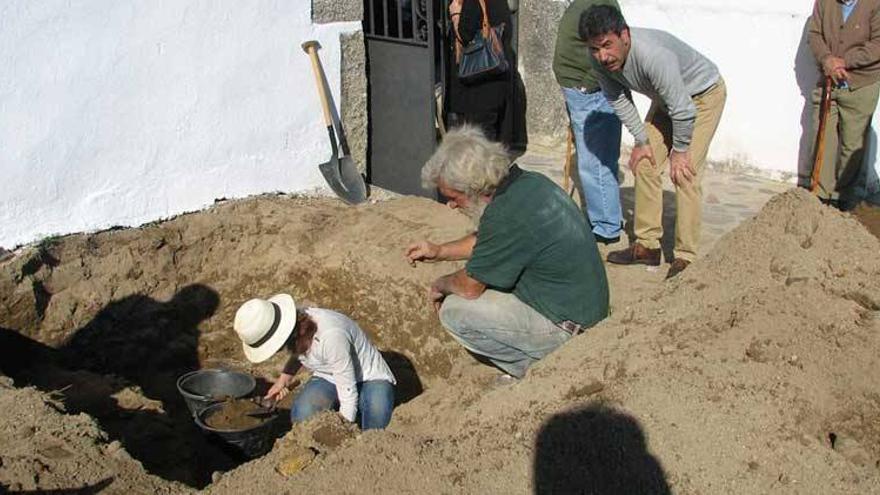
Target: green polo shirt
(534,241)
(571,62)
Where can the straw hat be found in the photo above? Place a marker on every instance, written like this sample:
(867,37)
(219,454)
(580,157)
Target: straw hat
(264,326)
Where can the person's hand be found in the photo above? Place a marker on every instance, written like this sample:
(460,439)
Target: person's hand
(640,152)
(279,389)
(840,75)
(680,169)
(835,68)
(435,296)
(422,251)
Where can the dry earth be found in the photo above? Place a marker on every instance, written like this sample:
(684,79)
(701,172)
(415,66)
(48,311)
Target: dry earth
(756,371)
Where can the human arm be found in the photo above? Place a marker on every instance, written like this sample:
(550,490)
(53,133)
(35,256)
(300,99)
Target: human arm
(832,66)
(458,283)
(664,72)
(338,353)
(620,99)
(458,249)
(282,385)
(815,37)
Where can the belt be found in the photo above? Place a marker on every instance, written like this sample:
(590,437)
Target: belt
(571,327)
(588,91)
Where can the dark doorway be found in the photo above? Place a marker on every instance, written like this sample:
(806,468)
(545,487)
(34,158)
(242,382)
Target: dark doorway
(404,58)
(408,48)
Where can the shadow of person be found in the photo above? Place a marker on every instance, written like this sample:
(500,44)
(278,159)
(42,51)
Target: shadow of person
(628,206)
(869,182)
(806,73)
(150,343)
(18,353)
(872,174)
(133,343)
(141,339)
(409,385)
(595,450)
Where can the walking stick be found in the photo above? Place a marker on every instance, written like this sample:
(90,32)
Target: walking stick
(566,168)
(820,136)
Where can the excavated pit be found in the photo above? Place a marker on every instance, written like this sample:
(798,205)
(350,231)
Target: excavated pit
(754,371)
(110,320)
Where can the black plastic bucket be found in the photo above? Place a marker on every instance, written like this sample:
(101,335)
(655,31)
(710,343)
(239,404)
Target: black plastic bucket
(202,388)
(252,442)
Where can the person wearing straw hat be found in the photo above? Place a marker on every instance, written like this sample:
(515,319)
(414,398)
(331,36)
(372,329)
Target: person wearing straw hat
(348,372)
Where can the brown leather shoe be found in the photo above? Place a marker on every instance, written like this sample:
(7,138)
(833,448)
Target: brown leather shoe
(677,266)
(635,255)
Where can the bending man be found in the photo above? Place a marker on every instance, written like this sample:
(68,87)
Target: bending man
(687,97)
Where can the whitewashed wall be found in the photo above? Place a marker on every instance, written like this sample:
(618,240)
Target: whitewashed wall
(760,48)
(119,112)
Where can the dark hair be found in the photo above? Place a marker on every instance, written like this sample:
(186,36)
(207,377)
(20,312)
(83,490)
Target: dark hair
(600,19)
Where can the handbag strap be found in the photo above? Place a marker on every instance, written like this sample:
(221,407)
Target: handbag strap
(485,26)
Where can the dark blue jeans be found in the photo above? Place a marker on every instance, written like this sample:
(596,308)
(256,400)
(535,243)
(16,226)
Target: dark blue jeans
(375,402)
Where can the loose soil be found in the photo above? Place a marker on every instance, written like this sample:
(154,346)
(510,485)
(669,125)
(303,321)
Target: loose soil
(754,371)
(869,215)
(235,415)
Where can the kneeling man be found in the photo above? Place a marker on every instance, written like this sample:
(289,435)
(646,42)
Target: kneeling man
(533,277)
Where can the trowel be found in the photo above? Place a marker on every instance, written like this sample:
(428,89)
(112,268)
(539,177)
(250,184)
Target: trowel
(341,173)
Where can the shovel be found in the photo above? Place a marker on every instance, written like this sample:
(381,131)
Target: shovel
(340,173)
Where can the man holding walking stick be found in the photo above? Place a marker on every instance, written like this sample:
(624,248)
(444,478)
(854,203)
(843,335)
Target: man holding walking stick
(844,36)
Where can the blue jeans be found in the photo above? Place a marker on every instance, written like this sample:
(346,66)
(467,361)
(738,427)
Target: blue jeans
(500,327)
(375,402)
(597,132)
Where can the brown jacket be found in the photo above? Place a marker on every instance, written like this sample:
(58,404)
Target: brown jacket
(857,41)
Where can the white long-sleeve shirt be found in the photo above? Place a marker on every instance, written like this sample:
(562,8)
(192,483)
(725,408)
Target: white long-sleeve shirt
(343,355)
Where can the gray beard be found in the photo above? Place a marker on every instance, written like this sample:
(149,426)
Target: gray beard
(475,212)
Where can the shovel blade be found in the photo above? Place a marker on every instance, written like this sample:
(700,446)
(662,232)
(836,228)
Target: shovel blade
(343,178)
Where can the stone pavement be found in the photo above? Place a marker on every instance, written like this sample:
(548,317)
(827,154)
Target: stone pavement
(728,198)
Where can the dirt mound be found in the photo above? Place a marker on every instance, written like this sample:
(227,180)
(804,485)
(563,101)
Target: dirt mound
(752,372)
(46,450)
(868,214)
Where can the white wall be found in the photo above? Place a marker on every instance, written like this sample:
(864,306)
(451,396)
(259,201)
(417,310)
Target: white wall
(119,112)
(760,50)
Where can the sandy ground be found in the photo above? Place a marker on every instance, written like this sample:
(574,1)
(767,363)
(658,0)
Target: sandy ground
(754,372)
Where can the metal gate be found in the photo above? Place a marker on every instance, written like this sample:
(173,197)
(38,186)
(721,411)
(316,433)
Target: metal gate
(405,61)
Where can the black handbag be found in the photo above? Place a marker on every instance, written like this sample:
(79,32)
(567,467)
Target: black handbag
(483,58)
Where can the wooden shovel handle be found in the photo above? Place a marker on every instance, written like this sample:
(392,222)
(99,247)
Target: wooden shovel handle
(311,47)
(824,108)
(566,167)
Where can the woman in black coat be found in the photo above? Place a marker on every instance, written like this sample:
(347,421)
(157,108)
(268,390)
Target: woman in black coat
(487,104)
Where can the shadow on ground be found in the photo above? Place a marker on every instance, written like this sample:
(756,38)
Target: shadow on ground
(121,368)
(595,450)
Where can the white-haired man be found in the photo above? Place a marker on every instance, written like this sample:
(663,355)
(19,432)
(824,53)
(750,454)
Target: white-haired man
(533,277)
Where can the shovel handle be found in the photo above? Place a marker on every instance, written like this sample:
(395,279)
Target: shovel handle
(311,47)
(825,106)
